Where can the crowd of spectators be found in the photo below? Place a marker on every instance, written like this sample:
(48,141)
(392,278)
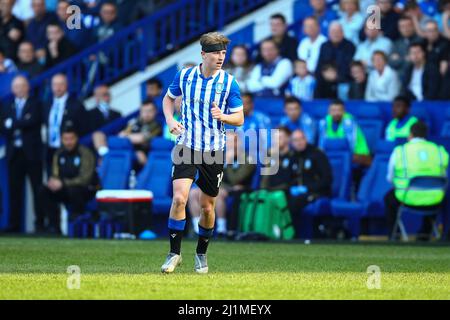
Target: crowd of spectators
(57,154)
(341,52)
(337,56)
(37,34)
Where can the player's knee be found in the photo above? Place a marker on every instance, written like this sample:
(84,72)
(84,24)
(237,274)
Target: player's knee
(179,200)
(208,208)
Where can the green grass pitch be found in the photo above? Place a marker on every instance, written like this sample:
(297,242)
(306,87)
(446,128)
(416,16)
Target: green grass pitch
(33,268)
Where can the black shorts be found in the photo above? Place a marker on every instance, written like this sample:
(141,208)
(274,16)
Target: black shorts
(186,163)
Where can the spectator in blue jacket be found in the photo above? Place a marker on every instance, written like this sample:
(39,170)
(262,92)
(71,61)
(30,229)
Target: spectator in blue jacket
(296,118)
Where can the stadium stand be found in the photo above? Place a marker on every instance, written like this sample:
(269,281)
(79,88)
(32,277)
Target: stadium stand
(156,175)
(174,26)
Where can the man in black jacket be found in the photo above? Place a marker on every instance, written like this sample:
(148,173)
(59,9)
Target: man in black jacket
(60,110)
(286,44)
(59,48)
(73,180)
(12,30)
(27,62)
(421,79)
(337,51)
(311,175)
(20,122)
(102,114)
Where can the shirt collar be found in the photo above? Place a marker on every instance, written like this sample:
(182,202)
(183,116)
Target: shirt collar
(62,100)
(199,70)
(414,140)
(20,100)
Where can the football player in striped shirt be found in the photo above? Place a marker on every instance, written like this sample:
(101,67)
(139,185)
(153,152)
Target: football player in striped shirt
(210,99)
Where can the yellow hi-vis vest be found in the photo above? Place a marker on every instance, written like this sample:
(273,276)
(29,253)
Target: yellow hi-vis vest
(419,158)
(392,132)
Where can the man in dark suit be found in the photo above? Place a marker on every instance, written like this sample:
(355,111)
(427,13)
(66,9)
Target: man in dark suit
(100,116)
(62,109)
(336,51)
(422,78)
(20,122)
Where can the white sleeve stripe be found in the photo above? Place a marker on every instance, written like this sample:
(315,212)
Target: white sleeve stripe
(170,94)
(236,109)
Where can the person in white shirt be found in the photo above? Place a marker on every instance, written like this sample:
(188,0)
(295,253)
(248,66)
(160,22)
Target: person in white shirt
(309,47)
(270,77)
(383,84)
(375,41)
(351,20)
(23,10)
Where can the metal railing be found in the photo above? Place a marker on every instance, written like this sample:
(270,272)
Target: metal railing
(133,47)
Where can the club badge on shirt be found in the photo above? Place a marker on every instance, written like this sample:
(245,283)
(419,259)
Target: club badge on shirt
(8,123)
(219,88)
(307,164)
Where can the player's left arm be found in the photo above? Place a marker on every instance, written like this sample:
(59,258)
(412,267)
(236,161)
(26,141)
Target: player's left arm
(234,104)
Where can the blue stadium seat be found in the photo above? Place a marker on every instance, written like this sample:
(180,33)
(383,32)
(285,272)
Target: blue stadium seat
(385,147)
(370,197)
(364,110)
(336,145)
(157,175)
(318,109)
(422,114)
(161,144)
(270,106)
(118,143)
(115,168)
(373,131)
(445,131)
(341,164)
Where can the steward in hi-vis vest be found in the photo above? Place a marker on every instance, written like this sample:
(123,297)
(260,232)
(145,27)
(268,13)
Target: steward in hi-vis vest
(400,126)
(418,157)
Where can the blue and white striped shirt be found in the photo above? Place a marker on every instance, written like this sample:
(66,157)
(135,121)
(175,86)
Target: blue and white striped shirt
(202,132)
(302,89)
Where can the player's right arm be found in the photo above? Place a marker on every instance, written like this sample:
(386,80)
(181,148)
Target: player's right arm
(173,92)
